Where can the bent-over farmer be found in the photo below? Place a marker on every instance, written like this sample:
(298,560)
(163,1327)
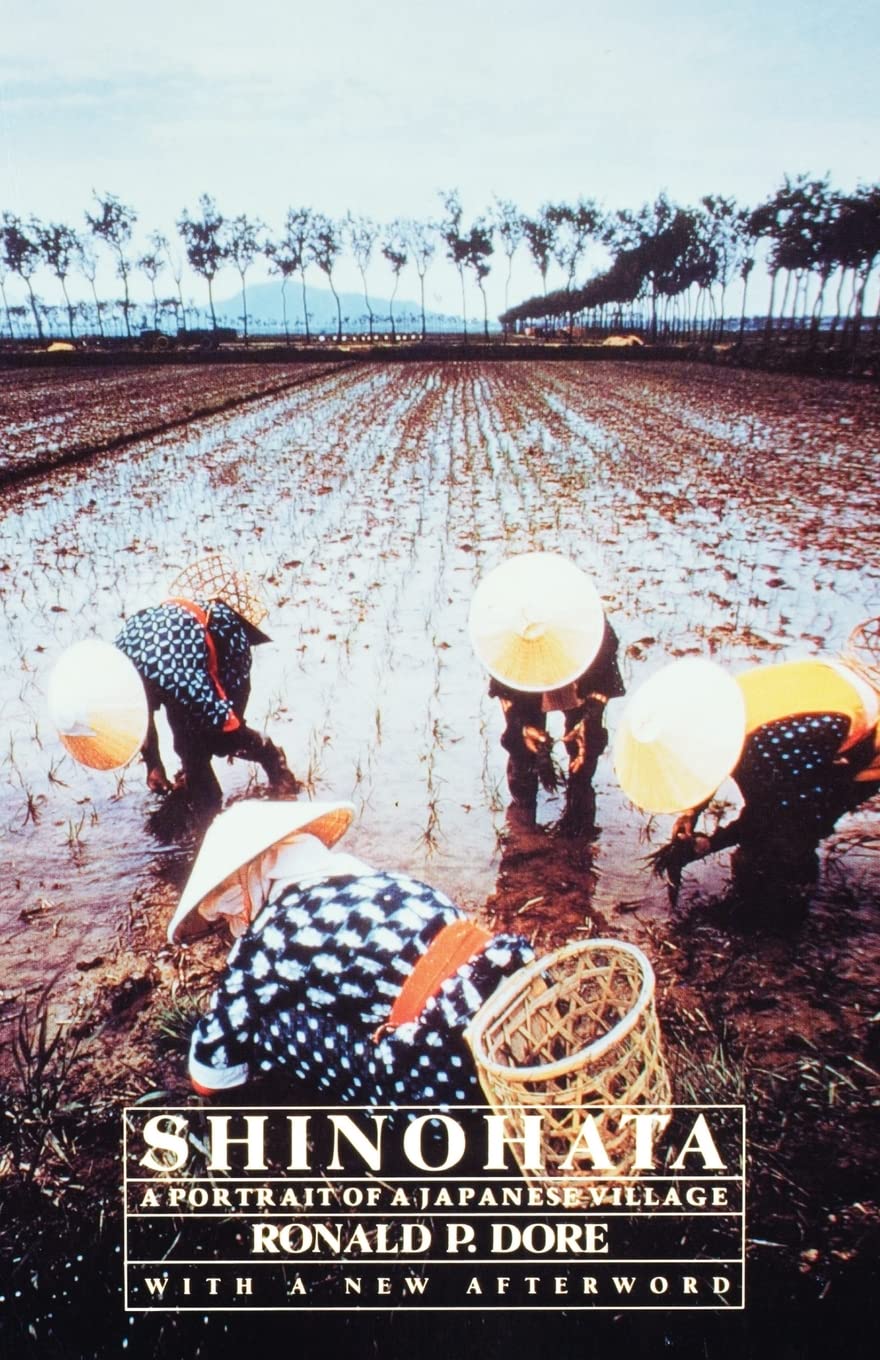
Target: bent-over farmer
(357,982)
(538,626)
(193,654)
(799,738)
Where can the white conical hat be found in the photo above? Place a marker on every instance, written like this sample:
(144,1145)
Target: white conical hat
(536,622)
(243,832)
(98,704)
(680,736)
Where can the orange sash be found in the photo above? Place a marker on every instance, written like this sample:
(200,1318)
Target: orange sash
(449,949)
(232,722)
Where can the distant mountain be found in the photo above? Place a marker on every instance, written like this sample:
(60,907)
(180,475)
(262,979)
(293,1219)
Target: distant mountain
(266,311)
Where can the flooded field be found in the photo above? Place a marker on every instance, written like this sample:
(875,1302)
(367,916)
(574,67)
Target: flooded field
(728,514)
(45,421)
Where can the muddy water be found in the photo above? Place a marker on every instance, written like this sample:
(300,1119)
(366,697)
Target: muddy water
(721,513)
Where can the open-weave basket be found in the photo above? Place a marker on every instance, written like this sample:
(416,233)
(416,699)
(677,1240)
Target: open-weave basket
(574,1030)
(214,578)
(862,650)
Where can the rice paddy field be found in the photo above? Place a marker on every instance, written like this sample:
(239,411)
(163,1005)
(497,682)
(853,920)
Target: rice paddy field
(727,514)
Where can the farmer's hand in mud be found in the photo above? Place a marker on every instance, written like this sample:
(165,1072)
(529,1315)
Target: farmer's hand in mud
(540,745)
(576,745)
(683,826)
(285,783)
(535,740)
(281,778)
(157,780)
(669,861)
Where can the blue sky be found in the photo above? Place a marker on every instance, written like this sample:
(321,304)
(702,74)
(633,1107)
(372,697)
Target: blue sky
(268,104)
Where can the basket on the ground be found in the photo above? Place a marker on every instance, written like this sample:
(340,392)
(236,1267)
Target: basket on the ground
(574,1031)
(214,578)
(862,650)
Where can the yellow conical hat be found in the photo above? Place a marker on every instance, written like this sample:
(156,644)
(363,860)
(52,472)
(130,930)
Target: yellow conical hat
(536,622)
(680,736)
(98,704)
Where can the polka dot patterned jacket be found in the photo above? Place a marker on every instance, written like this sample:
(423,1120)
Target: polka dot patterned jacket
(810,730)
(168,648)
(316,976)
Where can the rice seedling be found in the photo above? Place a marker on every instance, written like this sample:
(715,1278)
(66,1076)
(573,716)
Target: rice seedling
(315,767)
(74,833)
(52,772)
(32,806)
(173,1023)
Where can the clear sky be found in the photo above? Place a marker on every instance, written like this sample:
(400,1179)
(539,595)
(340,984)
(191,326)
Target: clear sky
(341,105)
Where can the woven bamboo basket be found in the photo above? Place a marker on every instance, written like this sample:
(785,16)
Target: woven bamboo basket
(862,650)
(574,1031)
(214,578)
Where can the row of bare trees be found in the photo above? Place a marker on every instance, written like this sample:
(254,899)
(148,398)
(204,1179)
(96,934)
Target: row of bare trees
(212,241)
(671,267)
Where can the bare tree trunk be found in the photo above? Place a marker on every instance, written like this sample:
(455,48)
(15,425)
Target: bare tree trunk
(786,291)
(6,309)
(177,279)
(391,313)
(38,323)
(366,299)
(305,303)
(860,301)
(816,319)
(768,328)
(742,314)
(98,316)
(422,291)
(837,302)
(68,305)
(721,317)
(244,316)
(284,306)
(126,303)
(805,299)
(338,310)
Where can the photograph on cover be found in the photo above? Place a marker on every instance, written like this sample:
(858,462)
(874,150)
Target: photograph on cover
(439,677)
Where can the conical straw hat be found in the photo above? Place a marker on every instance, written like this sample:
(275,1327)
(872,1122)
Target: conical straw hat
(680,736)
(246,830)
(536,622)
(98,704)
(214,578)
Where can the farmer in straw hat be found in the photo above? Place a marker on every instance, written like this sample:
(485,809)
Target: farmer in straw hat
(799,738)
(358,982)
(193,654)
(538,626)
